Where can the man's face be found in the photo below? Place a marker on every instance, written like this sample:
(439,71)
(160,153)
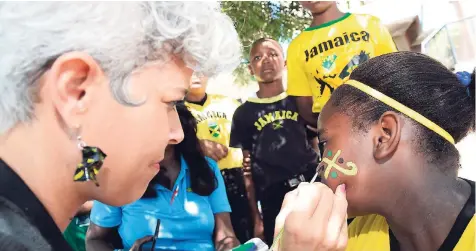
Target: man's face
(267,61)
(317,7)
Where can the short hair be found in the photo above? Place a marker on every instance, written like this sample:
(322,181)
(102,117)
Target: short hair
(121,36)
(422,84)
(263,39)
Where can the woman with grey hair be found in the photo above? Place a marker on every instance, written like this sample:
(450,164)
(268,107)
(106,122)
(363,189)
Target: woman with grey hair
(88,89)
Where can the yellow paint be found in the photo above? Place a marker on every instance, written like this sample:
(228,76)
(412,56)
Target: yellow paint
(78,175)
(333,164)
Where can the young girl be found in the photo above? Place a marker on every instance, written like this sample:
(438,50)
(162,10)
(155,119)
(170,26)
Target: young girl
(388,137)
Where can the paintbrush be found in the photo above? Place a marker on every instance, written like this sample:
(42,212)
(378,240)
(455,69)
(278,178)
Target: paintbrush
(280,234)
(156,235)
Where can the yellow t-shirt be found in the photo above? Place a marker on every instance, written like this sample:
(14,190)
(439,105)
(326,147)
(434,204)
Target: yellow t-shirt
(321,58)
(214,123)
(371,233)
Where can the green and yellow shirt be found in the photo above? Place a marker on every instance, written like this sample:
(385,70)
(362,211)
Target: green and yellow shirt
(214,118)
(321,58)
(373,233)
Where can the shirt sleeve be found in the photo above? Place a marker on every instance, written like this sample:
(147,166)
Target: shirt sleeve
(218,199)
(105,216)
(383,42)
(298,84)
(240,136)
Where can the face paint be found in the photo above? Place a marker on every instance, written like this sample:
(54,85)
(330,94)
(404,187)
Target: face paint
(332,163)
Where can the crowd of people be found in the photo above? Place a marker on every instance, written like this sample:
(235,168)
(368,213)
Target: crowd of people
(112,142)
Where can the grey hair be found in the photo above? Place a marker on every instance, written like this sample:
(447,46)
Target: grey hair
(121,36)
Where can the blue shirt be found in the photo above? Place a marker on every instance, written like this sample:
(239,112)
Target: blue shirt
(186,224)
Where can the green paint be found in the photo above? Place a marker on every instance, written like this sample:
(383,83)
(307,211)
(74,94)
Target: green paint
(329,153)
(334,175)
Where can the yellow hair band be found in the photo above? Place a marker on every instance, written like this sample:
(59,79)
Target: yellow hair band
(402,108)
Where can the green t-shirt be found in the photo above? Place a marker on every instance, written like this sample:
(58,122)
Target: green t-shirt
(75,233)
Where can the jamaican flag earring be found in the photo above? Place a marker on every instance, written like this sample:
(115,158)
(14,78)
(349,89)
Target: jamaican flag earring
(90,164)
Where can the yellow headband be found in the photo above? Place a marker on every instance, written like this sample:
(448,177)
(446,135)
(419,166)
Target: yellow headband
(401,108)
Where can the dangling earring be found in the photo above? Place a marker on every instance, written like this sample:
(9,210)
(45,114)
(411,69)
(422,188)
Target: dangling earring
(92,161)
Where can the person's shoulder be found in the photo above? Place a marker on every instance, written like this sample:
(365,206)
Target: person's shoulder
(297,42)
(10,242)
(365,224)
(214,96)
(220,97)
(367,19)
(241,110)
(370,232)
(16,231)
(223,99)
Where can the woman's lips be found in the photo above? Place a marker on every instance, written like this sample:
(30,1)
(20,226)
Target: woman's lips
(157,166)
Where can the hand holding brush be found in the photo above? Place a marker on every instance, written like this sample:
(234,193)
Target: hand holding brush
(312,218)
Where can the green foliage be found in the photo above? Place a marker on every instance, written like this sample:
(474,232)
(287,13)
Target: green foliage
(256,19)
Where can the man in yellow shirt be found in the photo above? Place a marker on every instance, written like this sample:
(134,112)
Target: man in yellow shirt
(214,114)
(324,55)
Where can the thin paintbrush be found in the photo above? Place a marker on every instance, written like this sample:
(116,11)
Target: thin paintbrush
(156,235)
(280,234)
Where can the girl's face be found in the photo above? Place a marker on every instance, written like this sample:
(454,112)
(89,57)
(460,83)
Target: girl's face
(347,158)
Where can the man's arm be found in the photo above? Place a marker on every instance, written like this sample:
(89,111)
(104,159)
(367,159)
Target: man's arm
(240,137)
(298,84)
(251,193)
(304,105)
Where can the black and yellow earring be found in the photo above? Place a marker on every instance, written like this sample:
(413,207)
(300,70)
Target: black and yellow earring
(91,163)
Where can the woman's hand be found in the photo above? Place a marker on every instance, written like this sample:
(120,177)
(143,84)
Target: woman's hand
(138,243)
(314,219)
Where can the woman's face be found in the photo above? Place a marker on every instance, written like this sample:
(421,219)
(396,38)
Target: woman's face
(134,138)
(347,158)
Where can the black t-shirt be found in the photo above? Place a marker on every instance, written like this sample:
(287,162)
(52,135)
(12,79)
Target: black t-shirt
(24,222)
(274,133)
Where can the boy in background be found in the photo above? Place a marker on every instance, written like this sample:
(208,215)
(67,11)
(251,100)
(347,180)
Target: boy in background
(273,138)
(322,57)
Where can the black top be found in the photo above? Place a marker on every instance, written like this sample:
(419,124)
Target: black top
(24,222)
(274,133)
(460,225)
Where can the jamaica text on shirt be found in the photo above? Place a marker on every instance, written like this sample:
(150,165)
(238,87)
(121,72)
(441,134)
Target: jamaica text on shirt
(209,115)
(273,116)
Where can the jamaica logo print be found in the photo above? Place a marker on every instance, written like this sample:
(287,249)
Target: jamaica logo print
(214,129)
